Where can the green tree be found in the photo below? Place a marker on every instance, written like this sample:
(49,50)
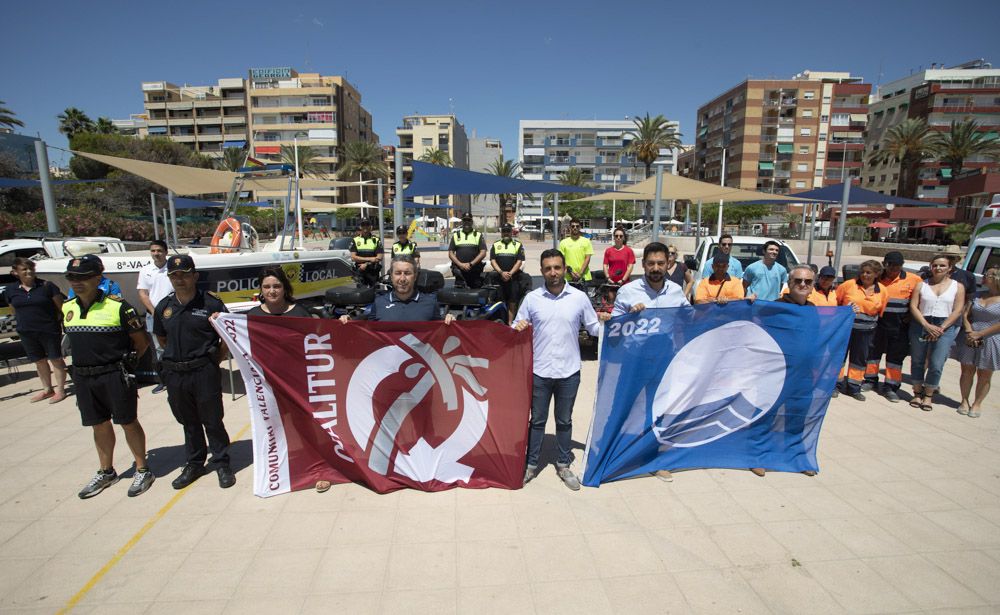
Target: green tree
(505,168)
(72,122)
(958,232)
(360,160)
(574,176)
(906,143)
(105,126)
(8,118)
(233,159)
(649,137)
(308,160)
(962,141)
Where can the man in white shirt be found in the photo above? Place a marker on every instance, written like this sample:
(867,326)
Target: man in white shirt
(652,290)
(154,285)
(555,312)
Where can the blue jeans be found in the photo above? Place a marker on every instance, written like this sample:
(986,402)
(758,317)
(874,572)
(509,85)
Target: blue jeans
(923,371)
(542,391)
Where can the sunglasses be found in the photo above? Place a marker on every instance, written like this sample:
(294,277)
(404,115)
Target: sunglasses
(726,245)
(672,253)
(619,236)
(79,277)
(803,281)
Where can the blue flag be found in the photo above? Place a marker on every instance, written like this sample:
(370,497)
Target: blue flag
(732,386)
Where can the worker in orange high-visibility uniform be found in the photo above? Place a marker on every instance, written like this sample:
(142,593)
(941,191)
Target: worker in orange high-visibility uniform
(868,299)
(892,331)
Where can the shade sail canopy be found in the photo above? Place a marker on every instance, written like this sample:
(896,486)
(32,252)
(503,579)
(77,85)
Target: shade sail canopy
(431,179)
(182,203)
(8,182)
(881,225)
(193,180)
(858,196)
(319,206)
(677,187)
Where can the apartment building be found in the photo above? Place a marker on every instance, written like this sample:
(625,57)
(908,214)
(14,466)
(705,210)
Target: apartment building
(549,148)
(968,91)
(422,133)
(783,136)
(482,154)
(206,118)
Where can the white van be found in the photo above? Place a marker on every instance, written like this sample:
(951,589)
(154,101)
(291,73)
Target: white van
(984,246)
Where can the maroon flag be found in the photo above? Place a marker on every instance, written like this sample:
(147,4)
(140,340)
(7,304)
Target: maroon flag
(390,405)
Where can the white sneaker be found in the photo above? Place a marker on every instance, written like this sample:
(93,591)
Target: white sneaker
(568,478)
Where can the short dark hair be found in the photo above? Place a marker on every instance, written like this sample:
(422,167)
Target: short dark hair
(574,221)
(652,248)
(403,258)
(724,236)
(552,253)
(277,272)
(771,242)
(21,261)
(158,242)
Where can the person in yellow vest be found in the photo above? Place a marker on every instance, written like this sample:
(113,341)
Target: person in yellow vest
(107,338)
(366,252)
(577,250)
(507,260)
(403,245)
(467,251)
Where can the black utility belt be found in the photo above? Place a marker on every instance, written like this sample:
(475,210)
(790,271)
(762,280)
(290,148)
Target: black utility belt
(186,366)
(96,370)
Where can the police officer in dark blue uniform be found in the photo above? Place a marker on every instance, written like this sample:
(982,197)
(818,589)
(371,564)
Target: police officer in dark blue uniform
(403,245)
(467,251)
(366,252)
(507,260)
(191,354)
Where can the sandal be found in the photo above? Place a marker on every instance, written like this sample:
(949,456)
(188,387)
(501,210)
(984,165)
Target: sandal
(963,409)
(915,402)
(927,404)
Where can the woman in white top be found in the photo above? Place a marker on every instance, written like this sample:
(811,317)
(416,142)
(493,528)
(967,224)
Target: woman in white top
(936,307)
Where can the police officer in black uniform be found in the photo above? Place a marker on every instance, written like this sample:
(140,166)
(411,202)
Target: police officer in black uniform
(467,251)
(191,354)
(403,245)
(366,252)
(507,260)
(107,338)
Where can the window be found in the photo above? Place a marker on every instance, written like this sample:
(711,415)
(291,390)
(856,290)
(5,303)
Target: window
(809,94)
(824,118)
(841,119)
(807,113)
(427,142)
(805,132)
(822,136)
(800,184)
(881,178)
(803,149)
(802,166)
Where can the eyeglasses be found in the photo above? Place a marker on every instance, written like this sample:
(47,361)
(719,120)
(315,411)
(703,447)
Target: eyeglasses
(672,253)
(726,245)
(803,281)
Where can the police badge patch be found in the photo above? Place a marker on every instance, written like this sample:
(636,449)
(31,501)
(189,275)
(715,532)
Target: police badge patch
(69,316)
(168,312)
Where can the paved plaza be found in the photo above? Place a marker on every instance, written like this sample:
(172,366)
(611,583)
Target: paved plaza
(904,516)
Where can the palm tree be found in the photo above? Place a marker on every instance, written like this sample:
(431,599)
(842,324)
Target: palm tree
(7,117)
(233,159)
(361,158)
(104,126)
(906,143)
(505,168)
(442,159)
(574,177)
(963,141)
(72,122)
(649,137)
(308,163)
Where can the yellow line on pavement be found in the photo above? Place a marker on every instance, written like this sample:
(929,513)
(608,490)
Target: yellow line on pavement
(117,557)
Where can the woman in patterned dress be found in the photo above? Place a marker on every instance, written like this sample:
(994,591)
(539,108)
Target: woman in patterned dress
(979,352)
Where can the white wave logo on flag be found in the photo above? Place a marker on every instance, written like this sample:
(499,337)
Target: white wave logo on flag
(719,382)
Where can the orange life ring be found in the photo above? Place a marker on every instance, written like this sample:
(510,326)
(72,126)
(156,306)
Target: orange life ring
(228,237)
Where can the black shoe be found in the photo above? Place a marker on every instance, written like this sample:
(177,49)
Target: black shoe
(226,477)
(159,389)
(189,474)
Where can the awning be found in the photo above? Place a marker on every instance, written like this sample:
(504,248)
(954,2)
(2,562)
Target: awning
(324,134)
(610,133)
(765,166)
(881,225)
(430,180)
(786,148)
(859,117)
(933,224)
(946,172)
(534,151)
(238,144)
(193,180)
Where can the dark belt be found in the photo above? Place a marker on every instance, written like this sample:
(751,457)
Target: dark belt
(96,370)
(186,366)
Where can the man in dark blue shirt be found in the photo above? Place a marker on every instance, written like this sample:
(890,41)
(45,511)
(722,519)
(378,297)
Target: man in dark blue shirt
(404,303)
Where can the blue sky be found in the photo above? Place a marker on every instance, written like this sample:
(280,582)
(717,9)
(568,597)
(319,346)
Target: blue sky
(492,63)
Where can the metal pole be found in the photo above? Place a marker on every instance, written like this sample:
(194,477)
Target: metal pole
(614,204)
(43,175)
(722,182)
(152,205)
(657,202)
(698,230)
(381,218)
(555,219)
(173,216)
(397,206)
(841,225)
(812,232)
(802,229)
(298,198)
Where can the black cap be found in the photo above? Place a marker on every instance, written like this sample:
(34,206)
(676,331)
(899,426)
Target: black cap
(88,264)
(720,258)
(466,216)
(506,228)
(828,271)
(893,258)
(401,230)
(366,222)
(180,262)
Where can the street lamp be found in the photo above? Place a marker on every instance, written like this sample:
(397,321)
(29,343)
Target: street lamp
(889,207)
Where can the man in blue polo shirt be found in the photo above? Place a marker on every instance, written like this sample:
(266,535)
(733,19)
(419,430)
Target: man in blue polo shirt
(766,277)
(725,247)
(404,303)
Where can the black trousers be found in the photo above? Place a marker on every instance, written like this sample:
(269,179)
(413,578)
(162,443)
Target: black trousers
(473,278)
(894,343)
(195,399)
(857,359)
